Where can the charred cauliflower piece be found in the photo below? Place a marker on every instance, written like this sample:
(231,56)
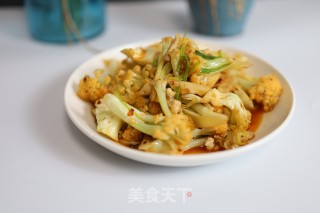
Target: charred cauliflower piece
(266,91)
(90,89)
(132,134)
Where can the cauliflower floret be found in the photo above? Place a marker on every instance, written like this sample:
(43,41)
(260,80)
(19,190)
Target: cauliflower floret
(187,120)
(154,108)
(174,105)
(145,90)
(178,128)
(142,104)
(127,83)
(209,143)
(90,89)
(132,135)
(266,91)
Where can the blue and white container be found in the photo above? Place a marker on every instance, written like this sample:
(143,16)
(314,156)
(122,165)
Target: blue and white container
(65,20)
(220,17)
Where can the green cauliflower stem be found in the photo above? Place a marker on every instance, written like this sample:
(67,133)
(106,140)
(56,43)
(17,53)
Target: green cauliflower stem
(166,42)
(122,111)
(172,130)
(156,146)
(232,101)
(160,87)
(195,143)
(204,117)
(247,102)
(107,122)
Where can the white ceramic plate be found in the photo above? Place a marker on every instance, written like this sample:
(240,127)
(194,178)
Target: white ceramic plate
(273,122)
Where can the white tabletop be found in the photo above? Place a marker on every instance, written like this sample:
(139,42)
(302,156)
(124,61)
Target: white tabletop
(48,165)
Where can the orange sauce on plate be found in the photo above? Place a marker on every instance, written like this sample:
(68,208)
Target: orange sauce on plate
(256,119)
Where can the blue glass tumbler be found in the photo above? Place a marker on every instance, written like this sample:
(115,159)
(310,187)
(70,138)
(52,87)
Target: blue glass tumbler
(65,20)
(220,17)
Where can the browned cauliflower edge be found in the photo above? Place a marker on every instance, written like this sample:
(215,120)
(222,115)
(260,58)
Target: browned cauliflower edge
(90,89)
(266,91)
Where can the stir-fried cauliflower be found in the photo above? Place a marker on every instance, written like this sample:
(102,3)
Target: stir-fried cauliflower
(171,97)
(90,89)
(266,91)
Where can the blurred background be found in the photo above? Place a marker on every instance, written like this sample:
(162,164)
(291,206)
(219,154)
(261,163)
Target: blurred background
(20,2)
(77,20)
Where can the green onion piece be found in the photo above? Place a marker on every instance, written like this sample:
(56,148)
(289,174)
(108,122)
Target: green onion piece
(215,69)
(177,91)
(204,56)
(155,62)
(186,72)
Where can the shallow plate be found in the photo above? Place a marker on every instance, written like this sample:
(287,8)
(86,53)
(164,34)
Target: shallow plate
(80,112)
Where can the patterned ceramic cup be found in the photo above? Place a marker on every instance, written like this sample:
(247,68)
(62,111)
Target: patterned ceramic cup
(219,17)
(65,20)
